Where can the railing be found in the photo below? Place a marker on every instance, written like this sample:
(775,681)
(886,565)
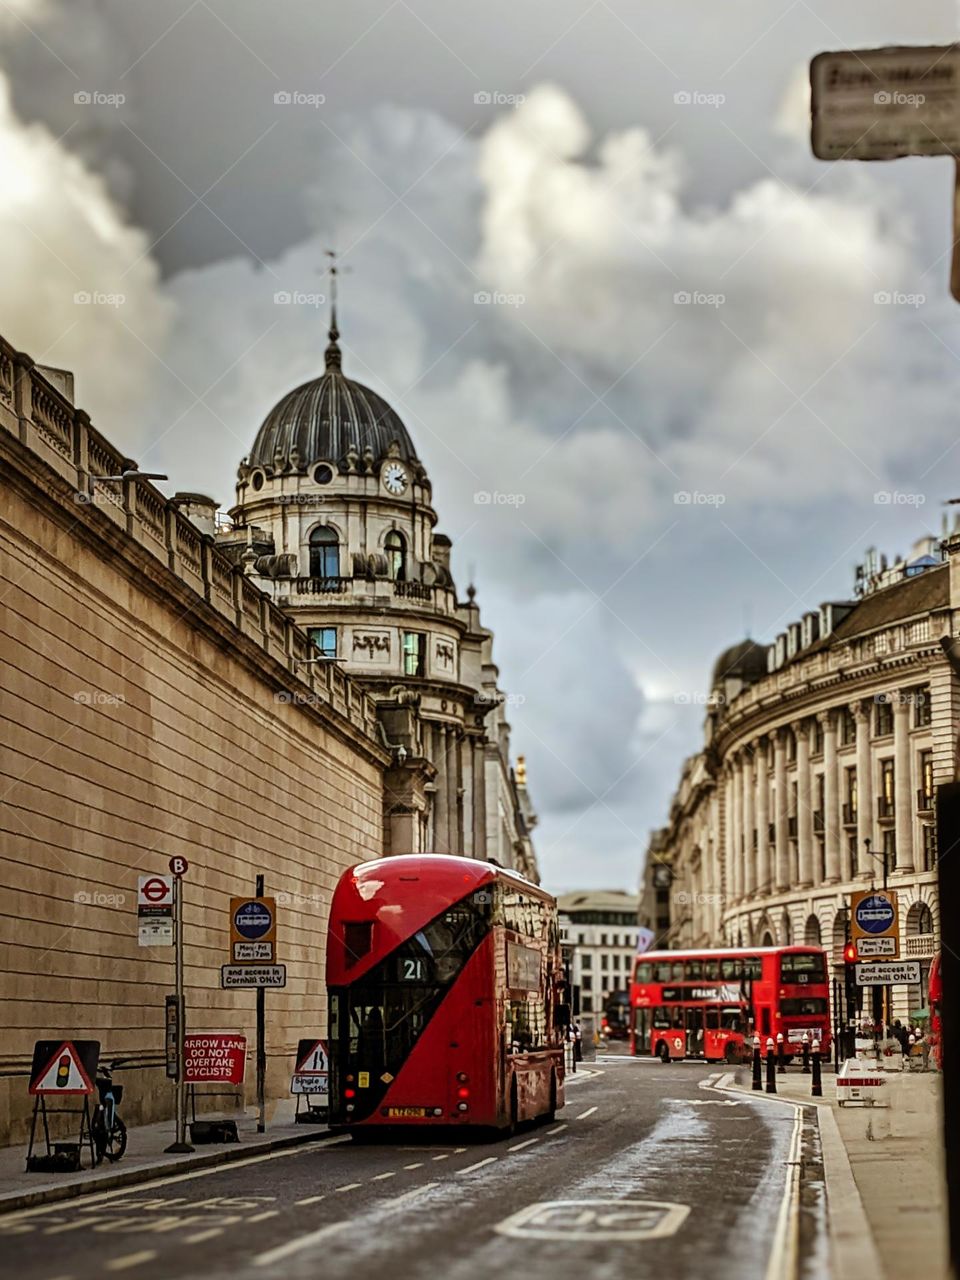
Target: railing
(849,815)
(924,801)
(322,586)
(922,946)
(412,591)
(886,807)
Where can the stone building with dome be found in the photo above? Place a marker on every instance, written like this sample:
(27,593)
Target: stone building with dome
(822,752)
(334,519)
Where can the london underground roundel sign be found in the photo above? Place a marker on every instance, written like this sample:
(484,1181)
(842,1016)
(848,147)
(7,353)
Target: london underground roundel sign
(875,914)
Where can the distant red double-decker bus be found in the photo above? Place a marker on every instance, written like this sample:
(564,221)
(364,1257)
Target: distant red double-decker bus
(705,1004)
(445,983)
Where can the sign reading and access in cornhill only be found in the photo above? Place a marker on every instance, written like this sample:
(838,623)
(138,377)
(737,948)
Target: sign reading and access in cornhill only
(875,924)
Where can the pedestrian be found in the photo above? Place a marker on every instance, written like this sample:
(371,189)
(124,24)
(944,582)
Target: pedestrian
(577,1042)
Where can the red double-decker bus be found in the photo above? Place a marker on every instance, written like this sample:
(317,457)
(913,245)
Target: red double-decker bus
(705,1004)
(446,996)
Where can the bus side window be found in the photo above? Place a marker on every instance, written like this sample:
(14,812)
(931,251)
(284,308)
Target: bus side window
(711,970)
(713,1019)
(644,972)
(663,972)
(694,969)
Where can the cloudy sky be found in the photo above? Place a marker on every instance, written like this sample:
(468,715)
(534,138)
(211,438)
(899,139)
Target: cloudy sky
(592,264)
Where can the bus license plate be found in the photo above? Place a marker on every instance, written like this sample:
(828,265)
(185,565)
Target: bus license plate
(407,1113)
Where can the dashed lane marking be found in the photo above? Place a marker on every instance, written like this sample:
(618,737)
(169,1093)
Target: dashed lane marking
(314,1237)
(418,1165)
(446,1157)
(349,1186)
(382,1177)
(309,1200)
(557,1129)
(199,1236)
(260,1217)
(584,1114)
(131,1260)
(479,1165)
(520,1145)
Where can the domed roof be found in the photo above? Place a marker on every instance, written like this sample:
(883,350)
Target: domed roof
(745,661)
(328,418)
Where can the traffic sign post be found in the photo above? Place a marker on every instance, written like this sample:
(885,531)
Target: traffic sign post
(155,911)
(311,1081)
(179,1146)
(64,1069)
(881,104)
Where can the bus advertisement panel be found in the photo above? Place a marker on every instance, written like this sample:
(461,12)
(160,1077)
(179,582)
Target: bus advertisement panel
(446,996)
(709,1004)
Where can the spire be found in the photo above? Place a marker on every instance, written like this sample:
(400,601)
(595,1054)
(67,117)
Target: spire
(332,353)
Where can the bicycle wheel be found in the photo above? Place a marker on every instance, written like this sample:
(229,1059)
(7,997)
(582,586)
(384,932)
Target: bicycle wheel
(98,1131)
(116,1143)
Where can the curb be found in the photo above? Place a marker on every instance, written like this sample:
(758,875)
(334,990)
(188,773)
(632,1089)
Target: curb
(15,1201)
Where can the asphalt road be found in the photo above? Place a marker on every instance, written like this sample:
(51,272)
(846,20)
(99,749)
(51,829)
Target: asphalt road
(666,1178)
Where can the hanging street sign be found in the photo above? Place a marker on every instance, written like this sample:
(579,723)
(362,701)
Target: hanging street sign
(875,923)
(67,1067)
(888,973)
(253,931)
(233,976)
(880,104)
(155,911)
(214,1057)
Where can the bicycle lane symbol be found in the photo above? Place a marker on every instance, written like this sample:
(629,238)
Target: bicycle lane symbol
(595,1220)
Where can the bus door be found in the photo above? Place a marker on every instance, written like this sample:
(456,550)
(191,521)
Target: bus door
(713,1044)
(693,1029)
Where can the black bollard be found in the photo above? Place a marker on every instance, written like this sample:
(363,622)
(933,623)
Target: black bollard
(816,1083)
(806,1054)
(771,1069)
(757,1066)
(781,1062)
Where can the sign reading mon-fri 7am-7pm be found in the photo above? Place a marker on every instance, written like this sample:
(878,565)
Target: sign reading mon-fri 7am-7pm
(879,104)
(875,924)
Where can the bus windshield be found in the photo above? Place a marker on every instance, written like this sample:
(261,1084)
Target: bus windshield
(804,966)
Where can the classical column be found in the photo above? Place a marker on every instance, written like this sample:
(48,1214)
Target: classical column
(861,715)
(903,792)
(727,881)
(763,817)
(801,729)
(737,784)
(749,855)
(783,812)
(831,800)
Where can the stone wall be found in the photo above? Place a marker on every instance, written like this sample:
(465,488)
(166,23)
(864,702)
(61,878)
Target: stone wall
(152,704)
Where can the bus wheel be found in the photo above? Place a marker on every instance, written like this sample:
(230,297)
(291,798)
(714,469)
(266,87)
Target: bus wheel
(663,1052)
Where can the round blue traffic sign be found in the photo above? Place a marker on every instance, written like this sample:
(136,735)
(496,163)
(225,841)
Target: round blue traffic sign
(252,920)
(875,914)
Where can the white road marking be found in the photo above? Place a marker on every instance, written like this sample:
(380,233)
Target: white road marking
(557,1129)
(595,1220)
(381,1177)
(783,1251)
(418,1165)
(259,1217)
(520,1145)
(199,1236)
(308,1200)
(131,1260)
(584,1115)
(294,1246)
(349,1186)
(227,1166)
(446,1157)
(314,1237)
(479,1165)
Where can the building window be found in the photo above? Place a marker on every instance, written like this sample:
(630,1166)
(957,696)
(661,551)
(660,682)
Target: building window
(586,982)
(586,962)
(413,650)
(816,738)
(850,804)
(890,848)
(886,805)
(616,964)
(848,728)
(588,1004)
(325,640)
(396,550)
(928,855)
(603,939)
(852,850)
(791,745)
(883,717)
(604,962)
(922,709)
(925,771)
(324,553)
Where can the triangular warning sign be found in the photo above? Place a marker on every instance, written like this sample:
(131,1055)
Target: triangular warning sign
(312,1057)
(63,1074)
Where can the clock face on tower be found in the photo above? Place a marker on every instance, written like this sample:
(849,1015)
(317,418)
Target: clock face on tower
(394,478)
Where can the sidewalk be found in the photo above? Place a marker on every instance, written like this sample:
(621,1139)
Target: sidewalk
(883,1166)
(145,1157)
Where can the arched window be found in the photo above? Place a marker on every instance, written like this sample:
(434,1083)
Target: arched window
(324,553)
(396,550)
(811,933)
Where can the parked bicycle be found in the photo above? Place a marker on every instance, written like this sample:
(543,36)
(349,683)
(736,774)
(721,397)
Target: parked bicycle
(108,1130)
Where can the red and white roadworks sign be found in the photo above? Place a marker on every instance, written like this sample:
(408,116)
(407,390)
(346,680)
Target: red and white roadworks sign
(214,1057)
